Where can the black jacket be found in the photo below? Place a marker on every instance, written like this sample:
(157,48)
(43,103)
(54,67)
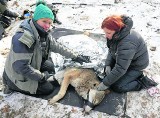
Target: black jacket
(127,50)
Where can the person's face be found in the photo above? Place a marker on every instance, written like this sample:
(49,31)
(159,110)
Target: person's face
(45,23)
(109,33)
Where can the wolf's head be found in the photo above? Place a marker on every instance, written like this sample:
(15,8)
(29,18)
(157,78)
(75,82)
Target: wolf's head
(93,99)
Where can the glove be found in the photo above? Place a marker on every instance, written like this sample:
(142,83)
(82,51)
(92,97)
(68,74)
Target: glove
(46,76)
(81,59)
(107,70)
(102,87)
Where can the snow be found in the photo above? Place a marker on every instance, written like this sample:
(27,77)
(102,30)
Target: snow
(146,17)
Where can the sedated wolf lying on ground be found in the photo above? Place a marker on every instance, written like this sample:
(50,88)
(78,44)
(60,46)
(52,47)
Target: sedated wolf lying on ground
(84,81)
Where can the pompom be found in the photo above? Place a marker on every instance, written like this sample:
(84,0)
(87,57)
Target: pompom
(40,2)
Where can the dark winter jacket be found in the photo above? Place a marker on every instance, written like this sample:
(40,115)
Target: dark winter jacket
(30,46)
(127,50)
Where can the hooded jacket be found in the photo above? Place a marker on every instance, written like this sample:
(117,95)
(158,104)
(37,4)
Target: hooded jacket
(127,50)
(26,54)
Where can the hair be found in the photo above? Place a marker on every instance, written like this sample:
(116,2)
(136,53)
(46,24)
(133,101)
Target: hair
(114,22)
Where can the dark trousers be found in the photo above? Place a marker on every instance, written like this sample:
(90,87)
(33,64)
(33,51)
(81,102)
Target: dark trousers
(128,82)
(43,88)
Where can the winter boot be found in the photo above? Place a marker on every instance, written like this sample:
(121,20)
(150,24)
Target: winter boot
(146,82)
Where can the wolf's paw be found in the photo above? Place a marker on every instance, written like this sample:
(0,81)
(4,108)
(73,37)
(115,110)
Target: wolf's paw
(86,110)
(52,101)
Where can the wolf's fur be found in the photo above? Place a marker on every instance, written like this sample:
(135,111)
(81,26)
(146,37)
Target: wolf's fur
(83,80)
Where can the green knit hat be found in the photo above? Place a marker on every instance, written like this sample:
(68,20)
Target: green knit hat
(42,11)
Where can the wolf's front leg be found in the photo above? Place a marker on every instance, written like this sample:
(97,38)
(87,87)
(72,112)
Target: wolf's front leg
(62,90)
(55,99)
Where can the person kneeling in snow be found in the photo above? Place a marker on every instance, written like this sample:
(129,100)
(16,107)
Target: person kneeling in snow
(127,56)
(27,66)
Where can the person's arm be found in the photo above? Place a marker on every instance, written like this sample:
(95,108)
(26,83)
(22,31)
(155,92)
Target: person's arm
(109,60)
(61,49)
(22,65)
(125,54)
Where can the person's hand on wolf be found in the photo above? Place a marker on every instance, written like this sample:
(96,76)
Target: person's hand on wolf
(102,87)
(81,59)
(46,76)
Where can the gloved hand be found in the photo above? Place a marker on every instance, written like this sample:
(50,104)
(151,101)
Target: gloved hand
(107,70)
(46,76)
(81,59)
(102,87)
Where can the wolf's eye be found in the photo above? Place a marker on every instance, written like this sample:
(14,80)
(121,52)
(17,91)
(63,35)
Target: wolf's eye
(94,84)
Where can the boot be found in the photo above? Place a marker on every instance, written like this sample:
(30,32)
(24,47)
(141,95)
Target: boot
(146,82)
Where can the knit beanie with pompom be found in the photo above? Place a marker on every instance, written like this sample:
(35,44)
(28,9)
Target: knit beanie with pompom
(42,11)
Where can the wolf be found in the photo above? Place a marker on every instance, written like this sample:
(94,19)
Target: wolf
(84,81)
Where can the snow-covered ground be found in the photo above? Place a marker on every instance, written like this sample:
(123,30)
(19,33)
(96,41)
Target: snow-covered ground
(146,17)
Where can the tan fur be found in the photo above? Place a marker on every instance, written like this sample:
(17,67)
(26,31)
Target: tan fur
(83,80)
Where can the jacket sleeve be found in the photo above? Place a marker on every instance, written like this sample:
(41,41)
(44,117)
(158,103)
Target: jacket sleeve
(125,53)
(61,49)
(22,66)
(109,61)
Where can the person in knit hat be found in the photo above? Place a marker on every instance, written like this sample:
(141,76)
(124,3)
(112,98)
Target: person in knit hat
(28,65)
(43,11)
(54,11)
